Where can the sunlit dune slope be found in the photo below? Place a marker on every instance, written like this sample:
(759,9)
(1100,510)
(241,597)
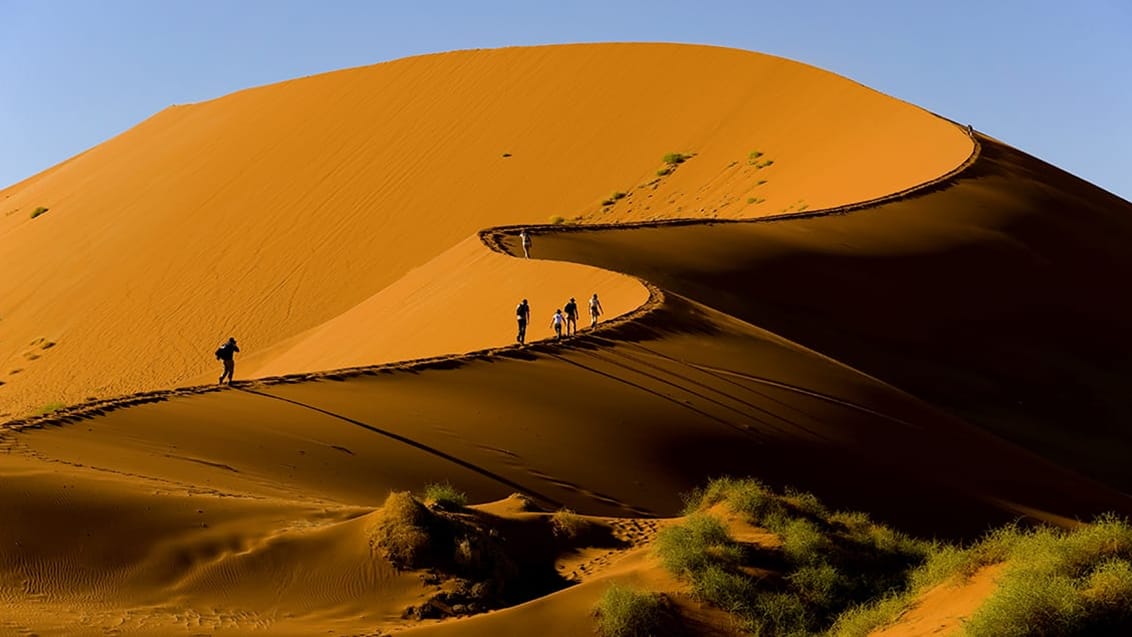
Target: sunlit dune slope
(269,212)
(992,297)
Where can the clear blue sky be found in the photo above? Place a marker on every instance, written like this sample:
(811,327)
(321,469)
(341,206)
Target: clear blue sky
(1052,78)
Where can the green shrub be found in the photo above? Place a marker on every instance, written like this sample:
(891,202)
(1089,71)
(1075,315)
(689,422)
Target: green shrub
(861,621)
(623,612)
(38,211)
(557,219)
(733,592)
(753,156)
(751,199)
(50,408)
(1060,582)
(663,171)
(675,158)
(691,547)
(445,496)
(764,164)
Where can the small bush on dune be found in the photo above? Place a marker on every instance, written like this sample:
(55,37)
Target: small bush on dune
(1060,583)
(569,525)
(49,408)
(38,211)
(753,156)
(673,159)
(623,612)
(445,496)
(663,171)
(401,534)
(557,219)
(691,547)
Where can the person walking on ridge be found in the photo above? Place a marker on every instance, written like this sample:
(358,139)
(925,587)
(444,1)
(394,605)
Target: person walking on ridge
(556,323)
(225,353)
(525,238)
(571,317)
(595,310)
(523,315)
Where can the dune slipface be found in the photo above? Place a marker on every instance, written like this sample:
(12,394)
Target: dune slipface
(851,296)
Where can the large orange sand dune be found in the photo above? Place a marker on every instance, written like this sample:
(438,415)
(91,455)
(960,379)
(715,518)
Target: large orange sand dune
(945,356)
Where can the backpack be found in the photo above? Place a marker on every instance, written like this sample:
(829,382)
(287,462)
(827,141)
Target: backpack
(220,353)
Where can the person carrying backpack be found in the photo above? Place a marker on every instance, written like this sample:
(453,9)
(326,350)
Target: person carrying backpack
(523,315)
(571,317)
(595,310)
(226,354)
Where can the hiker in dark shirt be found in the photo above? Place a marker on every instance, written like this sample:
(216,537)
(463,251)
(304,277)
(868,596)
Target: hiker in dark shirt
(571,309)
(225,354)
(523,315)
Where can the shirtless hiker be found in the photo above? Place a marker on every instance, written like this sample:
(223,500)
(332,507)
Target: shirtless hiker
(595,310)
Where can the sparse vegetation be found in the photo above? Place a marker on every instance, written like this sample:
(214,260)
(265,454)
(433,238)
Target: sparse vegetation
(764,164)
(49,408)
(445,496)
(557,219)
(663,171)
(624,612)
(567,524)
(829,561)
(402,533)
(753,157)
(673,159)
(38,211)
(614,198)
(1060,582)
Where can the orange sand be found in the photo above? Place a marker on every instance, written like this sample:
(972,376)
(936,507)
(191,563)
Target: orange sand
(909,358)
(270,212)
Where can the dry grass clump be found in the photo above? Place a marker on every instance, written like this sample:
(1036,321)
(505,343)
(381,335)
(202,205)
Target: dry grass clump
(624,612)
(569,525)
(402,531)
(38,211)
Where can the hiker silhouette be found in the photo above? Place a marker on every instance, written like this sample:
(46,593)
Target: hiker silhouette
(225,354)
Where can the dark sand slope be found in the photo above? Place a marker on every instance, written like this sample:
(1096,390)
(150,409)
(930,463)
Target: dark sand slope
(998,297)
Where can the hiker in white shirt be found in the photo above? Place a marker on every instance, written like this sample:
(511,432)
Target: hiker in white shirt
(595,310)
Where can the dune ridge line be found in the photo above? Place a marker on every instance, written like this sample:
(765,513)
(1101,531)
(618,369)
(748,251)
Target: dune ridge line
(493,238)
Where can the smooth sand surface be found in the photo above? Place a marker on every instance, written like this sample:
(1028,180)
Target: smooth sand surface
(269,212)
(929,357)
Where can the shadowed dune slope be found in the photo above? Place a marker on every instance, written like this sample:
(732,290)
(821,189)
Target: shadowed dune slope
(994,297)
(272,211)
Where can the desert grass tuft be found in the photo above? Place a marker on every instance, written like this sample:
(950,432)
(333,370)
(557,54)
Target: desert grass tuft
(673,159)
(49,408)
(401,533)
(38,211)
(557,219)
(624,612)
(568,525)
(445,496)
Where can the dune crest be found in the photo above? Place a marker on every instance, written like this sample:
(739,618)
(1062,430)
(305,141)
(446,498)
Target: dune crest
(271,211)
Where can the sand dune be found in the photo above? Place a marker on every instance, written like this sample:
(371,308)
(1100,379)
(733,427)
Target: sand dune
(271,211)
(927,355)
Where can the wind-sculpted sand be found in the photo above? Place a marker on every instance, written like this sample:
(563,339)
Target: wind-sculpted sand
(900,343)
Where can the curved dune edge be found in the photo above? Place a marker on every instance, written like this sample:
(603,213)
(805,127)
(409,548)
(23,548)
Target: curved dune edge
(158,237)
(495,239)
